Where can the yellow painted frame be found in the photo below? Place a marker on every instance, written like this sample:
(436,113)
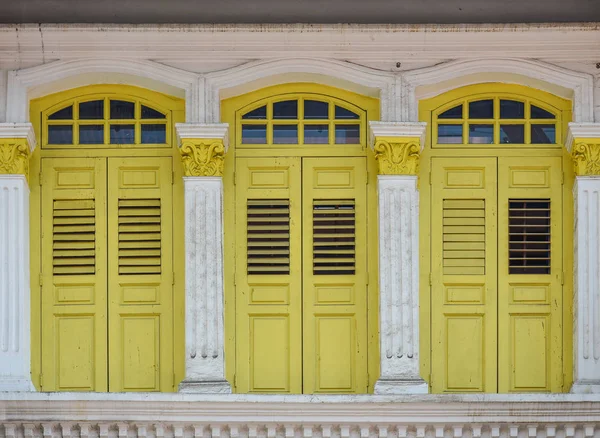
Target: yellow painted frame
(231,110)
(428,110)
(174,107)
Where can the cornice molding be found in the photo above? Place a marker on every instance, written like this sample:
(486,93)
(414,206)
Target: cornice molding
(19,130)
(581,84)
(581,130)
(198,44)
(22,82)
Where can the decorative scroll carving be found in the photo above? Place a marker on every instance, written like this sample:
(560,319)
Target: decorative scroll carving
(202,158)
(586,159)
(14,157)
(397,158)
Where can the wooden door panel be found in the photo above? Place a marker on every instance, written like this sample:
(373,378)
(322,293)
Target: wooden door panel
(530,273)
(463,275)
(335,275)
(140,236)
(268,276)
(74,319)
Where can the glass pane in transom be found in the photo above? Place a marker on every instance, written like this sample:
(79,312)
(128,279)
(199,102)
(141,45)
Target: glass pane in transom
(256,114)
(540,113)
(512,109)
(314,109)
(543,134)
(63,114)
(452,113)
(450,134)
(316,134)
(481,134)
(343,113)
(92,110)
(288,109)
(121,109)
(512,134)
(481,109)
(151,113)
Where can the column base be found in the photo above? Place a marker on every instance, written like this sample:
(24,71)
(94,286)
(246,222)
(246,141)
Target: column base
(205,386)
(401,386)
(16,384)
(586,387)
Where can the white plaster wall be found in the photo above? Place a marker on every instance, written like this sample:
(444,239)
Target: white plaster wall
(3,75)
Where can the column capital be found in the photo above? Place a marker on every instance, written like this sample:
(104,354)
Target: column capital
(17,142)
(583,142)
(397,146)
(202,147)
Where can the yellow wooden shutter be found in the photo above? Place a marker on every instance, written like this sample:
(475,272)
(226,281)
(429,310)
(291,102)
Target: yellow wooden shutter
(268,276)
(140,272)
(335,275)
(74,274)
(463,275)
(530,271)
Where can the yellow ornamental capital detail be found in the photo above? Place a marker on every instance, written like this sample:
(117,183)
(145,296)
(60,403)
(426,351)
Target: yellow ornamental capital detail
(202,158)
(14,157)
(397,158)
(586,159)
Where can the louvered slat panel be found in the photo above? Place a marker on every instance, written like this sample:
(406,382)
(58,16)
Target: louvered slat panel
(464,236)
(74,235)
(529,236)
(268,230)
(334,239)
(139,236)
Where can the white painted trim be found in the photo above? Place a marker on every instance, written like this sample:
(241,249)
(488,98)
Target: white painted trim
(397,129)
(19,130)
(270,72)
(203,130)
(22,82)
(581,130)
(15,295)
(204,295)
(580,84)
(399,286)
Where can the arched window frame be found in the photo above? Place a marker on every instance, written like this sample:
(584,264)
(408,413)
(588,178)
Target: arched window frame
(300,121)
(431,109)
(158,103)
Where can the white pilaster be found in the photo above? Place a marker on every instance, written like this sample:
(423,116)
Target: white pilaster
(399,285)
(587,285)
(205,363)
(14,284)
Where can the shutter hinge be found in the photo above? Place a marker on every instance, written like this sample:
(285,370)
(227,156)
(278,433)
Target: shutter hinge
(430,177)
(41,279)
(562,278)
(172,177)
(40,179)
(562,178)
(173,278)
(235,381)
(173,380)
(430,280)
(41,380)
(235,178)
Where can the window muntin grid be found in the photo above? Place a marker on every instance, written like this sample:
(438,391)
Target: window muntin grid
(101,121)
(294,120)
(497,121)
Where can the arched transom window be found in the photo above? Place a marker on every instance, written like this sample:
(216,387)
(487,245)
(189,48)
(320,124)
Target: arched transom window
(102,121)
(499,121)
(301,120)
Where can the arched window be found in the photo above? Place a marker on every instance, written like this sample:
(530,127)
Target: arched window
(291,120)
(495,120)
(104,121)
